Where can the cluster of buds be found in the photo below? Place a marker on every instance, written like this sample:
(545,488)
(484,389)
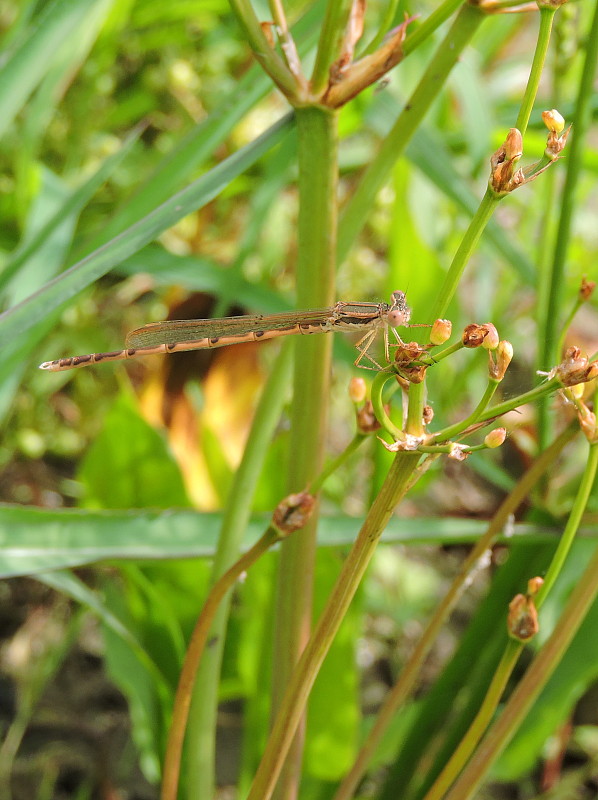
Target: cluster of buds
(575,368)
(522,619)
(406,360)
(476,335)
(505,175)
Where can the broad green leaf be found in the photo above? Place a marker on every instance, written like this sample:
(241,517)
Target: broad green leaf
(129,464)
(35,539)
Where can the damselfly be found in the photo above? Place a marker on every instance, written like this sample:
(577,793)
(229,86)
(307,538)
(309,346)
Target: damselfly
(174,336)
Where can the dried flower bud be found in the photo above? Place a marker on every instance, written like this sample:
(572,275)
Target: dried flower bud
(415,374)
(553,120)
(474,335)
(409,443)
(458,452)
(366,419)
(522,619)
(407,352)
(293,512)
(587,423)
(495,438)
(498,365)
(534,585)
(575,368)
(555,144)
(504,177)
(441,331)
(357,390)
(586,289)
(428,415)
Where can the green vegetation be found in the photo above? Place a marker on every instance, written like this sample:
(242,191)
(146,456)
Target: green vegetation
(195,160)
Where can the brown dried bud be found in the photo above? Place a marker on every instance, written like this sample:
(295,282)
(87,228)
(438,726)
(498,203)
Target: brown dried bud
(553,120)
(586,289)
(357,390)
(504,177)
(503,356)
(293,512)
(366,419)
(555,144)
(441,331)
(408,352)
(495,438)
(428,415)
(575,368)
(459,452)
(474,335)
(415,374)
(522,619)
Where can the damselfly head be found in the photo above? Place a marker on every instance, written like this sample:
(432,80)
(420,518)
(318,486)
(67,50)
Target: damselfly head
(399,312)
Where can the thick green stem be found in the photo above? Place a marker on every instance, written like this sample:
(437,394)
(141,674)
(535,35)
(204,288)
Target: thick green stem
(356,212)
(550,315)
(292,706)
(317,154)
(202,717)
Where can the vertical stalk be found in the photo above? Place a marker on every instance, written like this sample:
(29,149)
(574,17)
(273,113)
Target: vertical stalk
(204,705)
(550,315)
(317,155)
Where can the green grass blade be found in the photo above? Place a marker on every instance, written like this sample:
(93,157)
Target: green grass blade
(22,317)
(27,62)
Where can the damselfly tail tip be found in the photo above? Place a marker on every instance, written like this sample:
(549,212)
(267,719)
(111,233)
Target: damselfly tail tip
(47,365)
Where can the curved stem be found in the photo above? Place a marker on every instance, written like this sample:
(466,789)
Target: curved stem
(199,637)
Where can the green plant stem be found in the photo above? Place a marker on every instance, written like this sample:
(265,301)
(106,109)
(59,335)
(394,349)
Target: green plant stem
(521,701)
(199,637)
(470,239)
(480,723)
(316,269)
(550,316)
(531,90)
(331,42)
(269,59)
(337,462)
(547,388)
(514,648)
(385,421)
(357,210)
(573,522)
(202,718)
(292,706)
(459,427)
(412,671)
